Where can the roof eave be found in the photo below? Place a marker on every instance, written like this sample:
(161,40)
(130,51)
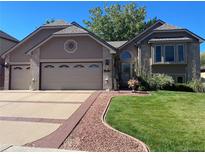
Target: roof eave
(30,35)
(129,41)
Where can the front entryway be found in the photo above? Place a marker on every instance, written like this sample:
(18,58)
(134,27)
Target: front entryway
(55,76)
(126,74)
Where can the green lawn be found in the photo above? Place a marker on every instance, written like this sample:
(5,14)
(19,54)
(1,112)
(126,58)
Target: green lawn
(165,121)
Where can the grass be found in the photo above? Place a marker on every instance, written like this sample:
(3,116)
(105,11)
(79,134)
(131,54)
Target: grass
(165,121)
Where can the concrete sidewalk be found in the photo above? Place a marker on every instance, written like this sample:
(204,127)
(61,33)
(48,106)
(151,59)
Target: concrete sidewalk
(10,148)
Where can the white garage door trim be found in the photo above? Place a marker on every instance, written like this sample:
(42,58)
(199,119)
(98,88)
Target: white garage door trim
(20,80)
(74,75)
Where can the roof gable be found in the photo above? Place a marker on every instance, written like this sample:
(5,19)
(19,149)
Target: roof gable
(138,36)
(166,26)
(72,30)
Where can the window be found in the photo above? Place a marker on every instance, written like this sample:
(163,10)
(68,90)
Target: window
(125,56)
(180,53)
(63,66)
(180,79)
(70,46)
(49,66)
(78,66)
(94,66)
(158,53)
(169,53)
(17,68)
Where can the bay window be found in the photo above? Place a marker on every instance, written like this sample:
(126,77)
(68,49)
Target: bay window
(158,54)
(180,53)
(169,53)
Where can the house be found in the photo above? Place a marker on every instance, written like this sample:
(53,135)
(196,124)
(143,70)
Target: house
(63,55)
(203,74)
(6,42)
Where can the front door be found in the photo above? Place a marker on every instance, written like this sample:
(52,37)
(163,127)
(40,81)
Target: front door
(125,75)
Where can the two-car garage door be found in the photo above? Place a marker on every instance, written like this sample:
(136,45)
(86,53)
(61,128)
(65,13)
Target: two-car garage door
(71,76)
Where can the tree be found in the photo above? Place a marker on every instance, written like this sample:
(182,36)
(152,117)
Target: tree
(49,21)
(202,59)
(118,22)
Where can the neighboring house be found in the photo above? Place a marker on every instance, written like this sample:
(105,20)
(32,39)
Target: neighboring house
(6,42)
(203,74)
(64,55)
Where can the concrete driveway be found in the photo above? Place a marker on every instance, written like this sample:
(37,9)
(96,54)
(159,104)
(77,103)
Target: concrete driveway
(27,116)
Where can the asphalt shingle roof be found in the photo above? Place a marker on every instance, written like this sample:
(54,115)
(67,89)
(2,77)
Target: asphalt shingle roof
(170,39)
(7,36)
(71,30)
(166,26)
(116,44)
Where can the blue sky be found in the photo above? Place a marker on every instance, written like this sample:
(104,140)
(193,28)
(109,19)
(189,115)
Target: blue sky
(21,18)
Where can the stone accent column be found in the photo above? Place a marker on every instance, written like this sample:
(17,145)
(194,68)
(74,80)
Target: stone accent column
(107,75)
(35,70)
(7,74)
(193,61)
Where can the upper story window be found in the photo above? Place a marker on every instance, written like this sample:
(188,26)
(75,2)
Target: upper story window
(169,53)
(158,53)
(125,56)
(180,52)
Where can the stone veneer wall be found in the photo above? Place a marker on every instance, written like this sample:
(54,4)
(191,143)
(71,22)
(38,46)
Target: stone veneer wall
(193,61)
(107,76)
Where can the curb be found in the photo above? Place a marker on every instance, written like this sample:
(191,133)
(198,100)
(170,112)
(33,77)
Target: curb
(145,147)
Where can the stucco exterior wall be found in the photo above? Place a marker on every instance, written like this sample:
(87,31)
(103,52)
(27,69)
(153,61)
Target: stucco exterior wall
(18,54)
(35,70)
(87,48)
(5,45)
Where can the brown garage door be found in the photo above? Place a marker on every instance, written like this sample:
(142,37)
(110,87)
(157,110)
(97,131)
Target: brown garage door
(71,76)
(20,77)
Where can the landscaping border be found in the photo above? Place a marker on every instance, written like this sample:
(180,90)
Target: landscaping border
(146,148)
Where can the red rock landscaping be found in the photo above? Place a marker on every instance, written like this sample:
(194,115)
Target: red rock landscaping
(92,134)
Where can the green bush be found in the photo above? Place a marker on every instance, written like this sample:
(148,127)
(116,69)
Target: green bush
(144,85)
(179,87)
(197,86)
(160,81)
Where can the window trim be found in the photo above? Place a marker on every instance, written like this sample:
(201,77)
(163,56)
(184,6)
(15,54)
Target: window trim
(176,61)
(129,60)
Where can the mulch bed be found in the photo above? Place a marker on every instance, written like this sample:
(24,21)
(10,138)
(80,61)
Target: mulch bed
(91,134)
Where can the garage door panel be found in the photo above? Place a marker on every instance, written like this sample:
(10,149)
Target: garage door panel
(71,76)
(20,77)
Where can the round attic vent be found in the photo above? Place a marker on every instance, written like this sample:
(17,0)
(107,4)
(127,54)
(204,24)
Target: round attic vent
(70,46)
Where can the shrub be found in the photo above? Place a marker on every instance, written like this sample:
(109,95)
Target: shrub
(160,81)
(197,86)
(180,87)
(144,85)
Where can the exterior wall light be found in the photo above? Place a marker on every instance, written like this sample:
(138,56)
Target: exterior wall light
(107,64)
(6,65)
